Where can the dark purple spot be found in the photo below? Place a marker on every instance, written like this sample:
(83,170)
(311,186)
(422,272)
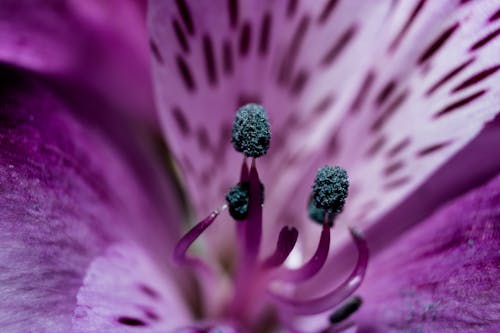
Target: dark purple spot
(265,34)
(432,148)
(181,121)
(455,71)
(210,65)
(185,15)
(130,321)
(339,45)
(394,44)
(227,57)
(327,11)
(437,43)
(203,139)
(323,105)
(396,183)
(156,51)
(299,82)
(292,8)
(389,111)
(245,39)
(333,147)
(385,92)
(476,78)
(398,147)
(376,146)
(363,91)
(485,40)
(185,73)
(292,51)
(150,314)
(495,16)
(392,168)
(148,291)
(234,13)
(181,37)
(458,104)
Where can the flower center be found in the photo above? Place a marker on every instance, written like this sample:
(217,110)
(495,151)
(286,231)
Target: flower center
(265,285)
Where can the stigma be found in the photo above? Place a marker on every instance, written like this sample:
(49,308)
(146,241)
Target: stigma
(255,277)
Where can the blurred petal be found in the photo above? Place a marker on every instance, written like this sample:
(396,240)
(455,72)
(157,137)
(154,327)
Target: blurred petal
(66,195)
(366,85)
(101,44)
(442,276)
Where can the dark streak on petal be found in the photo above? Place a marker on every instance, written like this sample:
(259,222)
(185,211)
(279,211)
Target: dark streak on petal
(292,51)
(210,64)
(203,139)
(156,51)
(265,34)
(437,44)
(389,111)
(376,146)
(181,37)
(392,168)
(227,57)
(495,16)
(292,8)
(245,39)
(394,44)
(185,73)
(396,183)
(181,121)
(233,10)
(185,15)
(432,148)
(327,11)
(129,321)
(455,105)
(299,82)
(398,147)
(323,105)
(455,71)
(476,78)
(148,291)
(339,45)
(246,98)
(385,93)
(363,91)
(485,40)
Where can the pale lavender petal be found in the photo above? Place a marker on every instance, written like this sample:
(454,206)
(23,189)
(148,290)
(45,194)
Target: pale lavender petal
(66,194)
(100,44)
(123,291)
(442,276)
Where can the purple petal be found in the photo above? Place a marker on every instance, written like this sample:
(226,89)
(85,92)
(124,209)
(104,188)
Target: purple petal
(442,276)
(66,195)
(366,85)
(102,45)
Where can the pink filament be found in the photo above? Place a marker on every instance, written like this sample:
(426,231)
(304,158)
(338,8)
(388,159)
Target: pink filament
(253,230)
(336,296)
(286,242)
(180,252)
(314,264)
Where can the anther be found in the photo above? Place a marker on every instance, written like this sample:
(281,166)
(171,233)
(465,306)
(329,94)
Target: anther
(330,189)
(251,131)
(346,310)
(238,198)
(317,214)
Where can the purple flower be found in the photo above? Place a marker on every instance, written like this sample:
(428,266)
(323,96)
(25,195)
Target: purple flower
(402,94)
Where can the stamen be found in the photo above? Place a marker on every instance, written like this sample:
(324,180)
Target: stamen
(253,231)
(286,242)
(237,199)
(336,296)
(330,189)
(346,310)
(251,131)
(180,252)
(318,215)
(314,264)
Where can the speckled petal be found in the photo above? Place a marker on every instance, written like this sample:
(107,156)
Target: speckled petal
(66,195)
(442,276)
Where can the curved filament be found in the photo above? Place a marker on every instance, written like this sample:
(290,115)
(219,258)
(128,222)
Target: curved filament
(286,242)
(336,296)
